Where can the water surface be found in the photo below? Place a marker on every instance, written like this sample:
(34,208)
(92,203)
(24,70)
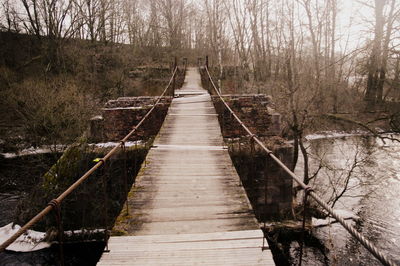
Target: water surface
(370,168)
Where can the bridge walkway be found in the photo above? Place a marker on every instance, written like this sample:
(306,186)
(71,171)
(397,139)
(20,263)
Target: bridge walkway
(188,206)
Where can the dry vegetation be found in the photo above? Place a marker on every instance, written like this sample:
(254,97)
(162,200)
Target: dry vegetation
(41,104)
(302,52)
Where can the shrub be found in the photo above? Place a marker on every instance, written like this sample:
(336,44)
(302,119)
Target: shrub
(51,111)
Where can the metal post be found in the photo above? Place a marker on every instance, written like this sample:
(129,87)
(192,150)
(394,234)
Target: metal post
(303,226)
(266,169)
(135,159)
(252,151)
(185,60)
(60,231)
(125,177)
(105,205)
(173,81)
(208,80)
(223,123)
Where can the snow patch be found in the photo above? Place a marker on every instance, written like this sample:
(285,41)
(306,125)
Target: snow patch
(334,134)
(29,241)
(97,117)
(72,233)
(113,144)
(125,108)
(345,214)
(33,150)
(61,148)
(34,240)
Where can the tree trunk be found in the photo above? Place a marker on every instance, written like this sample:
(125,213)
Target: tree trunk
(375,59)
(385,54)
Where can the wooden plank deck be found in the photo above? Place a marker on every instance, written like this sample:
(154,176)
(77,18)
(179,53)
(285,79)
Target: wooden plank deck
(221,248)
(188,206)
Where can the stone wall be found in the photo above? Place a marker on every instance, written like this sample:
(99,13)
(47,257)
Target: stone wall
(254,110)
(120,116)
(268,187)
(94,204)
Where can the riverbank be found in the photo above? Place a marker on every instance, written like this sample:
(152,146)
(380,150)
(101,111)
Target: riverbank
(370,167)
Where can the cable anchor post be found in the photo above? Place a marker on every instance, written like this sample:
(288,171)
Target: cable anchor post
(105,217)
(56,206)
(174,76)
(252,155)
(123,147)
(307,191)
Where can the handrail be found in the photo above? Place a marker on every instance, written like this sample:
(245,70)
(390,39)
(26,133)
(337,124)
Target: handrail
(70,189)
(366,243)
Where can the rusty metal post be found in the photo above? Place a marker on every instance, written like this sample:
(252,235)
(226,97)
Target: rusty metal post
(174,77)
(303,226)
(125,176)
(105,217)
(208,80)
(135,159)
(252,151)
(266,174)
(60,231)
(185,61)
(223,123)
(267,168)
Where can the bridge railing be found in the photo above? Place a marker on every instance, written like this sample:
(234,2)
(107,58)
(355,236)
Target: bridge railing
(55,203)
(307,189)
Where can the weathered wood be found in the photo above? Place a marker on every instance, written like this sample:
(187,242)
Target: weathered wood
(220,248)
(188,206)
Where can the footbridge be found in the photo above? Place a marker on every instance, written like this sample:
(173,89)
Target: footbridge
(188,205)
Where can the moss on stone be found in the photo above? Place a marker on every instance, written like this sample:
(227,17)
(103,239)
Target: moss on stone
(118,232)
(64,170)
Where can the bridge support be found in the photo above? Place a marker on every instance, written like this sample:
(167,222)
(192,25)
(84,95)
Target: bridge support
(268,187)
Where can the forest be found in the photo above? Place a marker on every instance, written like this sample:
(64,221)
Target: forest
(334,59)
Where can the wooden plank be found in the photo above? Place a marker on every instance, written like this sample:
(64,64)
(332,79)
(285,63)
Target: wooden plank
(221,248)
(193,237)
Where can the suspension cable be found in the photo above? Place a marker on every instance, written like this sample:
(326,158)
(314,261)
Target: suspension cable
(76,184)
(366,243)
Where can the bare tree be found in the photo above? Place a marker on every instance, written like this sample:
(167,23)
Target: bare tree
(153,32)
(11,17)
(32,11)
(259,14)
(173,12)
(377,65)
(215,17)
(240,29)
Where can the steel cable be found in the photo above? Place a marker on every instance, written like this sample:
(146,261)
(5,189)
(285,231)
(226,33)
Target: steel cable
(366,243)
(76,184)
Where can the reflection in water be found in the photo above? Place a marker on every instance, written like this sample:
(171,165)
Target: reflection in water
(364,171)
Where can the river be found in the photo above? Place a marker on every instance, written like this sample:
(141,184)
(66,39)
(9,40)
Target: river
(370,168)
(371,197)
(18,175)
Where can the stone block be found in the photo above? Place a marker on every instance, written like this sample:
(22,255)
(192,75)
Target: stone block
(96,127)
(254,110)
(120,116)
